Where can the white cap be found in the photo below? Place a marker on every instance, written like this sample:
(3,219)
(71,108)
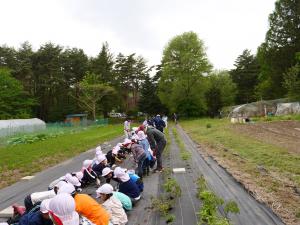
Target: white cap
(60,183)
(98,151)
(106,171)
(87,163)
(101,158)
(141,134)
(63,206)
(126,142)
(105,189)
(79,175)
(116,149)
(72,180)
(66,188)
(121,174)
(135,137)
(135,129)
(44,207)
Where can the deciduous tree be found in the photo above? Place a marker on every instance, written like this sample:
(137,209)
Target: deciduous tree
(14,101)
(182,84)
(92,91)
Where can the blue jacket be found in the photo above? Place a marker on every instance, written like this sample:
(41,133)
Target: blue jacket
(146,147)
(159,123)
(136,179)
(34,218)
(129,188)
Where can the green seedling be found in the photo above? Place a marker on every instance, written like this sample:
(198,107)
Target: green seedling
(161,205)
(210,203)
(185,155)
(170,218)
(166,173)
(231,207)
(172,187)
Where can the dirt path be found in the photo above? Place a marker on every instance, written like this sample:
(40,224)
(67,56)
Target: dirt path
(223,184)
(285,134)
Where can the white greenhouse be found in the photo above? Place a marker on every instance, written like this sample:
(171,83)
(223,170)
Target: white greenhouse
(11,127)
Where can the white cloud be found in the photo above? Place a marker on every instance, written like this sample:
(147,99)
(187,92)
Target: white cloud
(145,27)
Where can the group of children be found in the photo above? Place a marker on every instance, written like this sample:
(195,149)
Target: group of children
(119,189)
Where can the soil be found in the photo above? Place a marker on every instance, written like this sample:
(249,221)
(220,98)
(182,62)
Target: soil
(284,134)
(268,187)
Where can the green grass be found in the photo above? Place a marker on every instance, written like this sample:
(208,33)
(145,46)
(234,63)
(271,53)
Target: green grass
(255,152)
(277,118)
(25,159)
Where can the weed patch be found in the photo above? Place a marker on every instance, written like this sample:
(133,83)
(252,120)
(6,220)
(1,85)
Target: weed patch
(29,139)
(210,202)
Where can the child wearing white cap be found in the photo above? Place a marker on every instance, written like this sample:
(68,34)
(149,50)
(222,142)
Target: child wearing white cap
(126,185)
(89,176)
(124,199)
(62,210)
(101,165)
(112,205)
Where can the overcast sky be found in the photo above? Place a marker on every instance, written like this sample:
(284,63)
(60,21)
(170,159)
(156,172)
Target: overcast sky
(227,27)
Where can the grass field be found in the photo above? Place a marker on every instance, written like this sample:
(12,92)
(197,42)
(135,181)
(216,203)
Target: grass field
(254,151)
(25,159)
(270,171)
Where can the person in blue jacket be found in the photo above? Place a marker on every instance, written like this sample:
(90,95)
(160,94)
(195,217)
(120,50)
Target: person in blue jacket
(126,185)
(39,217)
(159,123)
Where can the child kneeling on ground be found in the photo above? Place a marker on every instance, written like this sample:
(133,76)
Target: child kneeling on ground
(112,205)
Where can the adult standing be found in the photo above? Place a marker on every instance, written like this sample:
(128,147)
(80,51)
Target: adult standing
(157,143)
(175,118)
(159,123)
(127,128)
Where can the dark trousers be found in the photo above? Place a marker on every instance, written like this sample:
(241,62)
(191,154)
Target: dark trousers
(160,148)
(146,166)
(28,203)
(140,165)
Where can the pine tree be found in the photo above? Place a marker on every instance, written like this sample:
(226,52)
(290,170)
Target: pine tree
(245,76)
(149,101)
(277,54)
(102,65)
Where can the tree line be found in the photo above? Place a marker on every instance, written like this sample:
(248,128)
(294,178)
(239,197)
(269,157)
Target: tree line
(189,85)
(54,81)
